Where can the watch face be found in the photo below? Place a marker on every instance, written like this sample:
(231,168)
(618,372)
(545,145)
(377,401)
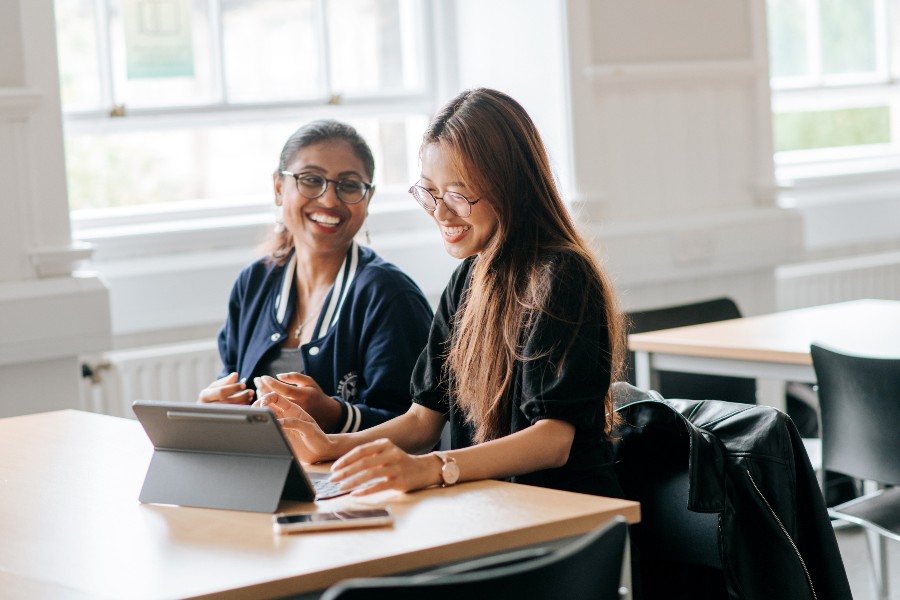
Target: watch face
(450,472)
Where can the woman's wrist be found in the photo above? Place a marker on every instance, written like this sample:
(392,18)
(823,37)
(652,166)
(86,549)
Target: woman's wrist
(332,415)
(339,445)
(432,467)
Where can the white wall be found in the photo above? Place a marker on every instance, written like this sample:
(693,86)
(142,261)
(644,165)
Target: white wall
(672,149)
(520,47)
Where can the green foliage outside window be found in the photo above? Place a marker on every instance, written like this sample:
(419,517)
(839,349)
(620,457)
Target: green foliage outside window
(832,128)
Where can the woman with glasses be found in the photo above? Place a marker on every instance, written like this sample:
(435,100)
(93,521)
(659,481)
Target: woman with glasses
(526,339)
(321,320)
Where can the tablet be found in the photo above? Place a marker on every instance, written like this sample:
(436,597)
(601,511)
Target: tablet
(221,456)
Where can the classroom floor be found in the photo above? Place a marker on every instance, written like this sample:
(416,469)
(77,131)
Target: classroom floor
(852,542)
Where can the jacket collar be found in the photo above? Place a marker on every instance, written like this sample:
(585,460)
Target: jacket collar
(334,301)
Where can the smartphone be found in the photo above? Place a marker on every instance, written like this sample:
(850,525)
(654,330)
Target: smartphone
(344,519)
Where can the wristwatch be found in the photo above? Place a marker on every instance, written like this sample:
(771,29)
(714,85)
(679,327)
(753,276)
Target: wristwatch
(450,470)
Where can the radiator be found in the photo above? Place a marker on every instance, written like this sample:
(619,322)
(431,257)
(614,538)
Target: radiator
(174,373)
(872,276)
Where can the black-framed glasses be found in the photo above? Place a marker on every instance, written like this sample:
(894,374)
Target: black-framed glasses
(456,203)
(313,185)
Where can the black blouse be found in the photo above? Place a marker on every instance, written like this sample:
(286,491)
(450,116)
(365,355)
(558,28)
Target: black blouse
(574,395)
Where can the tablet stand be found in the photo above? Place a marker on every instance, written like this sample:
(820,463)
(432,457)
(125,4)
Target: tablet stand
(207,456)
(251,483)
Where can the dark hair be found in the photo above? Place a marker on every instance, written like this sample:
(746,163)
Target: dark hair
(327,130)
(495,146)
(278,245)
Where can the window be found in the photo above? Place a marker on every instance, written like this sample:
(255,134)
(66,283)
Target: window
(835,96)
(175,104)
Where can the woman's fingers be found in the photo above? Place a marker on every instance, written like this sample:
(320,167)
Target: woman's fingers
(261,388)
(381,464)
(298,379)
(230,378)
(294,387)
(242,397)
(372,466)
(227,390)
(360,452)
(282,407)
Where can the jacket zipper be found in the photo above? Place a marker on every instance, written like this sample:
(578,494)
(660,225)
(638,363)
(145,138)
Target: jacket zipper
(787,535)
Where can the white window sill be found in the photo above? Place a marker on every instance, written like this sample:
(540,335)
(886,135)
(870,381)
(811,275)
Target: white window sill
(847,204)
(195,227)
(837,173)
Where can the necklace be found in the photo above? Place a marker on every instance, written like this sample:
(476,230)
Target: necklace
(315,313)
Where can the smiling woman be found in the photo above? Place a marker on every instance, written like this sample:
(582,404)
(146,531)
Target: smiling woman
(320,319)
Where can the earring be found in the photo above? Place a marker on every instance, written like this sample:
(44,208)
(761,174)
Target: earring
(366,232)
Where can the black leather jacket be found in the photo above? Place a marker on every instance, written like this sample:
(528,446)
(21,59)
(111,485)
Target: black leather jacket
(747,463)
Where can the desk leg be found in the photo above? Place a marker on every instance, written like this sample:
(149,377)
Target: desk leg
(644,377)
(625,591)
(770,392)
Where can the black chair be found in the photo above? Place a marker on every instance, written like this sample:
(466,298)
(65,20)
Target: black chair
(589,567)
(859,399)
(675,552)
(730,506)
(688,385)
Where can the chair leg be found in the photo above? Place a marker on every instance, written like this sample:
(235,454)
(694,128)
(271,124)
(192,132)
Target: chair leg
(885,576)
(878,557)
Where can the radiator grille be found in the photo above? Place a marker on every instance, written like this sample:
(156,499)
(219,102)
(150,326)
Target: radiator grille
(874,276)
(175,373)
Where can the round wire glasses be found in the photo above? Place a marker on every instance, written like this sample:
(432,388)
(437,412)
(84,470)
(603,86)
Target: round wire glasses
(456,203)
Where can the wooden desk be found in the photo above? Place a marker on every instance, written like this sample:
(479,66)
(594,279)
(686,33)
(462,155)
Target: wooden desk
(71,525)
(774,346)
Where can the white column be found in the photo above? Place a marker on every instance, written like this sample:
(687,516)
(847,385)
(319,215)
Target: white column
(49,314)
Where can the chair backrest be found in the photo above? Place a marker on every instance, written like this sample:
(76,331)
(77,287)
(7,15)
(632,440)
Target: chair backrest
(675,551)
(859,399)
(688,385)
(589,567)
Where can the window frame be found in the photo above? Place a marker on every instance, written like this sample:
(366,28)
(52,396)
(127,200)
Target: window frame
(813,169)
(194,225)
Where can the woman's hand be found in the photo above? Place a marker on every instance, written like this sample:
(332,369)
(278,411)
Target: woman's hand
(303,391)
(227,390)
(387,467)
(309,442)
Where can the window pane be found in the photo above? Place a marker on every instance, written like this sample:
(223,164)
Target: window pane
(832,128)
(848,36)
(393,141)
(161,53)
(788,55)
(374,45)
(150,167)
(271,50)
(217,162)
(76,37)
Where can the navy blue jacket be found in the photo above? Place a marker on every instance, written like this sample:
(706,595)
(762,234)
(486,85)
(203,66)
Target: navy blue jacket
(373,325)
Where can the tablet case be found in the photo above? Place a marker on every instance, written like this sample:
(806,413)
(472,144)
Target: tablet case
(219,456)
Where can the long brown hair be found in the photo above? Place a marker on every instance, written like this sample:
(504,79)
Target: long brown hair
(277,247)
(494,144)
